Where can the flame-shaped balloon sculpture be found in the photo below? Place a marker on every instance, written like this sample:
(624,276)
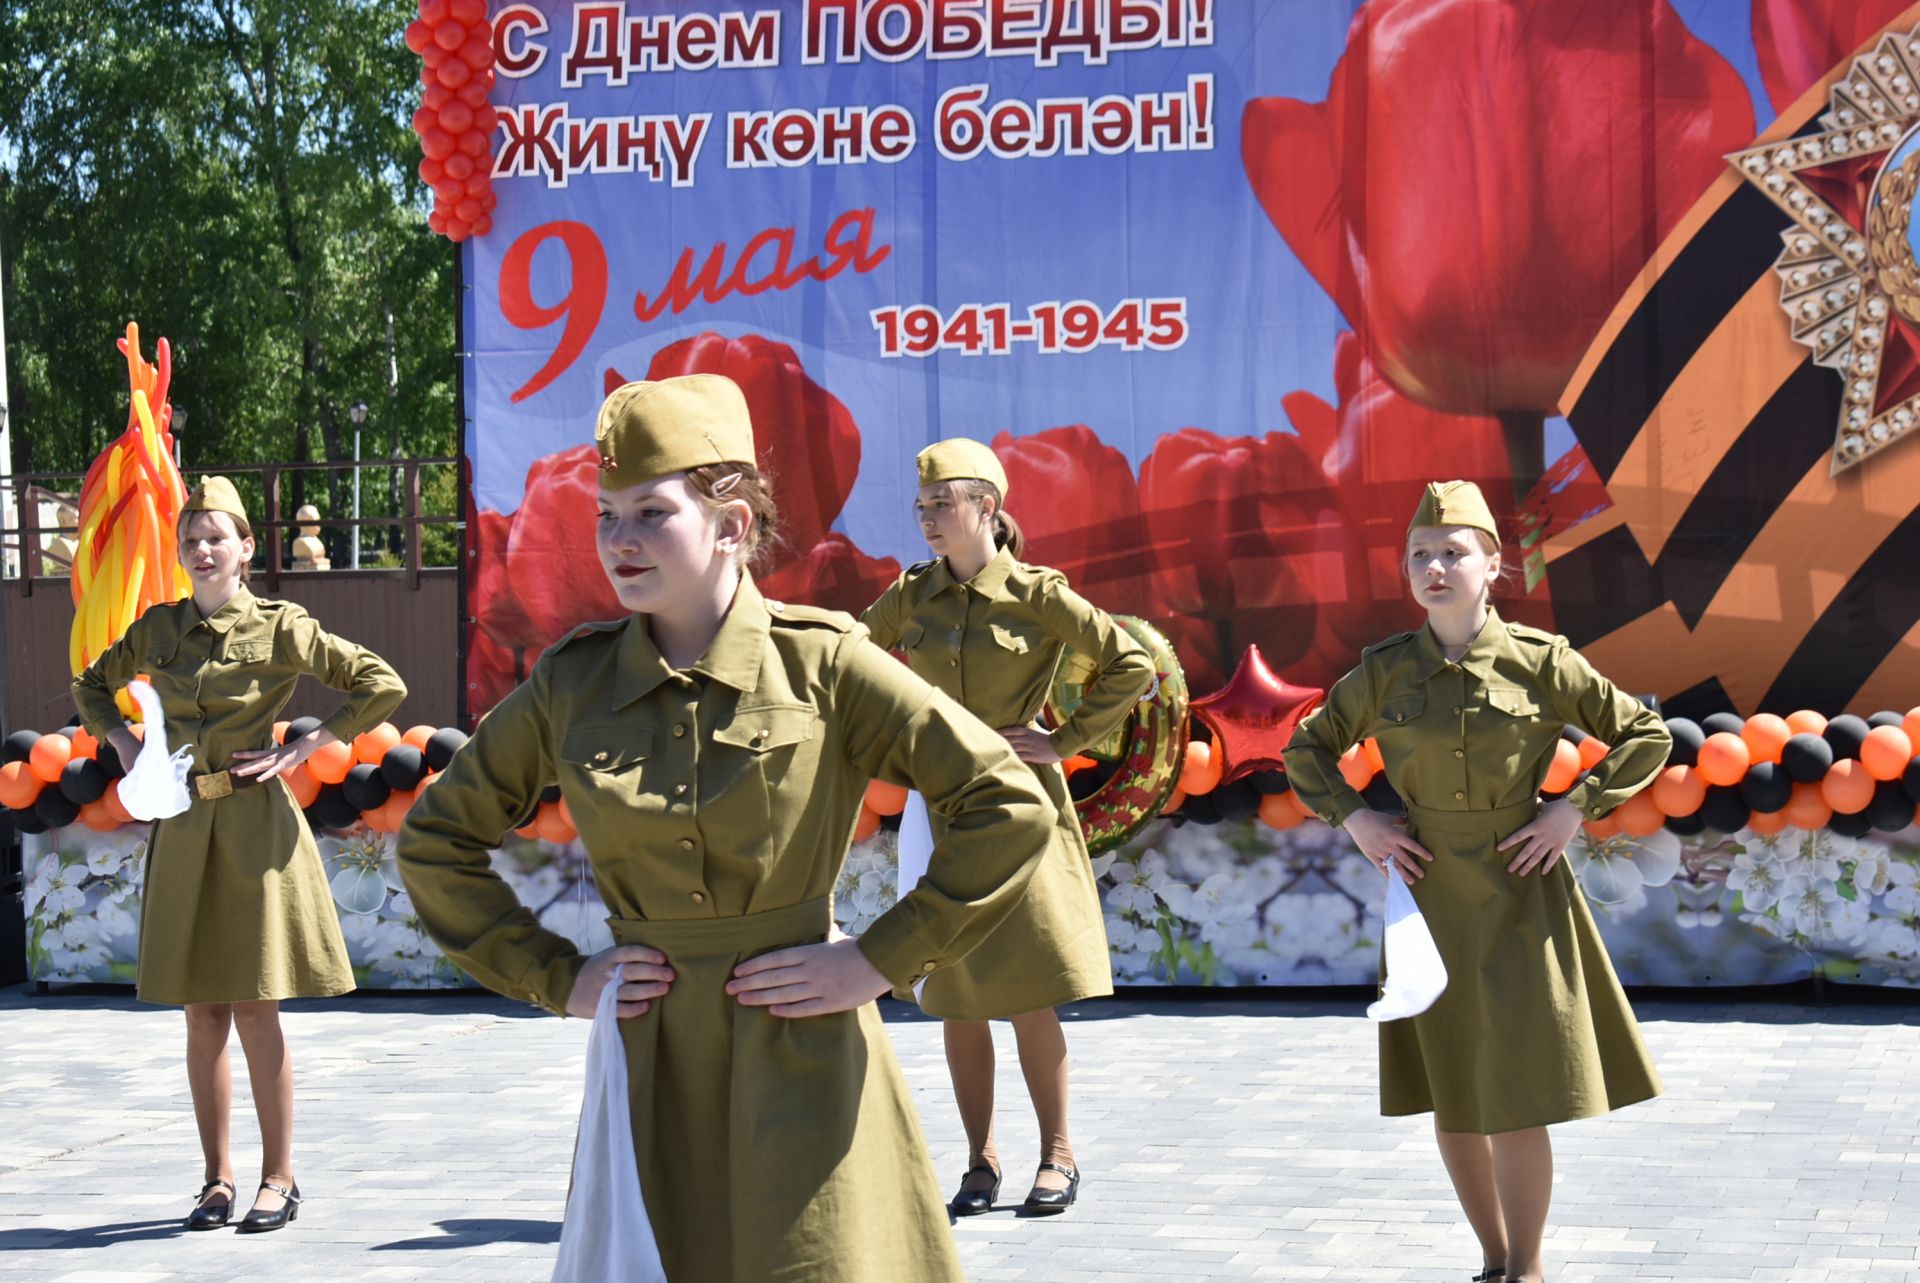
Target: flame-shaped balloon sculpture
(127,556)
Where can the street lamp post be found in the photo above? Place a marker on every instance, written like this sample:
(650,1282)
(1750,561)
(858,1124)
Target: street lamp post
(177,427)
(359,415)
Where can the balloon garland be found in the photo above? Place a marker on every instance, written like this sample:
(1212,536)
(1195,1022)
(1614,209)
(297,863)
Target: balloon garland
(455,121)
(126,555)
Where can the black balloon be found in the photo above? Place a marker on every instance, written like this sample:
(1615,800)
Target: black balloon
(1850,826)
(1686,825)
(1767,787)
(1236,801)
(19,746)
(1687,739)
(83,781)
(1081,785)
(443,745)
(1731,723)
(56,808)
(1806,758)
(301,727)
(333,810)
(403,767)
(1573,734)
(27,821)
(1724,811)
(1199,809)
(1269,782)
(1845,734)
(1885,717)
(551,793)
(1891,809)
(364,788)
(109,759)
(1910,780)
(1381,796)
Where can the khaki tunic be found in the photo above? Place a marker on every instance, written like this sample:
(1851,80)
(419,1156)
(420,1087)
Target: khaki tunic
(993,644)
(1533,1027)
(235,905)
(717,805)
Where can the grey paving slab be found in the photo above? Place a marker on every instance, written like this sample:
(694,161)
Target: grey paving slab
(1223,1138)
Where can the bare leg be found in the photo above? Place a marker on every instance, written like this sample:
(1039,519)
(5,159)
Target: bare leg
(1043,1060)
(271,1072)
(1469,1160)
(1523,1171)
(970,1062)
(210,1079)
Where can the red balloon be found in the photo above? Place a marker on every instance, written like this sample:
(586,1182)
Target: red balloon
(432,170)
(426,73)
(471,12)
(450,36)
(419,35)
(459,169)
(479,185)
(435,57)
(436,96)
(457,232)
(433,12)
(437,143)
(477,54)
(1253,716)
(485,79)
(485,116)
(448,191)
(453,73)
(468,210)
(473,143)
(484,225)
(437,223)
(488,200)
(456,117)
(423,120)
(474,92)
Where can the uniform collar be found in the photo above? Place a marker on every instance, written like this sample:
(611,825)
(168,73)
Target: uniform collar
(988,583)
(732,659)
(1479,657)
(238,607)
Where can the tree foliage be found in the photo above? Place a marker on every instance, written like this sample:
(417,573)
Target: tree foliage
(238,177)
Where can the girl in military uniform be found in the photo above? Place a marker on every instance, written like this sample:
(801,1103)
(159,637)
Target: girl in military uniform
(989,631)
(236,914)
(713,748)
(1533,1027)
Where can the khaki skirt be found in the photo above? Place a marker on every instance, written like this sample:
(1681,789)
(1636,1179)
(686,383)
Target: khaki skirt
(1533,1027)
(1052,949)
(235,905)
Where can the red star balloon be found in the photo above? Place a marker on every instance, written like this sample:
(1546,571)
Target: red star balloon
(1253,716)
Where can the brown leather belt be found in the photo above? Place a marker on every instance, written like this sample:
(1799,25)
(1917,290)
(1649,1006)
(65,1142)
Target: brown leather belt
(207,786)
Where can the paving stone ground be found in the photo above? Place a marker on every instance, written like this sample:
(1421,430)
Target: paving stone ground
(1223,1138)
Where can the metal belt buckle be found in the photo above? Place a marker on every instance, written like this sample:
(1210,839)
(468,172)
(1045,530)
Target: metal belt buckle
(217,785)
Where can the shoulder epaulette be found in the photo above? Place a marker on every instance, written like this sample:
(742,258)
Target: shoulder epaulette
(579,632)
(811,617)
(1398,639)
(1539,636)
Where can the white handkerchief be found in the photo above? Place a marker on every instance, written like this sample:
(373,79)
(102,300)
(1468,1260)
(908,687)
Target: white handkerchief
(916,843)
(155,786)
(606,1234)
(1415,974)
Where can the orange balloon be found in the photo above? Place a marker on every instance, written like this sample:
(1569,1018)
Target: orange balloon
(371,746)
(1886,752)
(551,828)
(1724,758)
(1565,771)
(1767,821)
(1174,799)
(884,798)
(377,820)
(1639,816)
(139,730)
(1202,770)
(868,826)
(1370,748)
(1280,811)
(1591,750)
(19,786)
(1355,769)
(1604,827)
(402,801)
(566,812)
(418,737)
(50,756)
(280,732)
(1847,786)
(115,806)
(98,816)
(1806,722)
(85,745)
(1678,790)
(1911,725)
(1807,808)
(1766,734)
(527,831)
(1077,763)
(305,787)
(331,762)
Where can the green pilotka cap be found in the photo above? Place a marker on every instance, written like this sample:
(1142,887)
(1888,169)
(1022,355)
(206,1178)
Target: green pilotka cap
(961,459)
(215,494)
(650,429)
(1454,503)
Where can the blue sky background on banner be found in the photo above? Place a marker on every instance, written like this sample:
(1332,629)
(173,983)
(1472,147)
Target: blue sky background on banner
(986,230)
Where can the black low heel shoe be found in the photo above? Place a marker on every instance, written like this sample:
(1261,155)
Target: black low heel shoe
(257,1222)
(211,1216)
(1051,1202)
(975,1202)
(1492,1274)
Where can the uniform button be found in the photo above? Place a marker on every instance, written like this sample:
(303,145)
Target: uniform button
(601,756)
(758,736)
(698,898)
(1458,710)
(1459,797)
(928,968)
(679,729)
(1459,752)
(679,790)
(686,844)
(776,606)
(953,663)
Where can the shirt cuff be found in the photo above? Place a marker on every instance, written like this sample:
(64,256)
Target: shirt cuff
(897,952)
(1590,796)
(1066,741)
(1339,805)
(550,985)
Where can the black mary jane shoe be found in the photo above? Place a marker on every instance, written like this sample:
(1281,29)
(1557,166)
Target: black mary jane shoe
(211,1216)
(1051,1202)
(975,1202)
(258,1222)
(1492,1274)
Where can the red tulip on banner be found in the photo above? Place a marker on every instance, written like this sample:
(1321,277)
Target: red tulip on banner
(833,573)
(1461,195)
(1797,42)
(1079,508)
(552,576)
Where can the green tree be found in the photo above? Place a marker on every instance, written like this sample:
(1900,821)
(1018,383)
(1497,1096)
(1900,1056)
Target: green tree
(238,177)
